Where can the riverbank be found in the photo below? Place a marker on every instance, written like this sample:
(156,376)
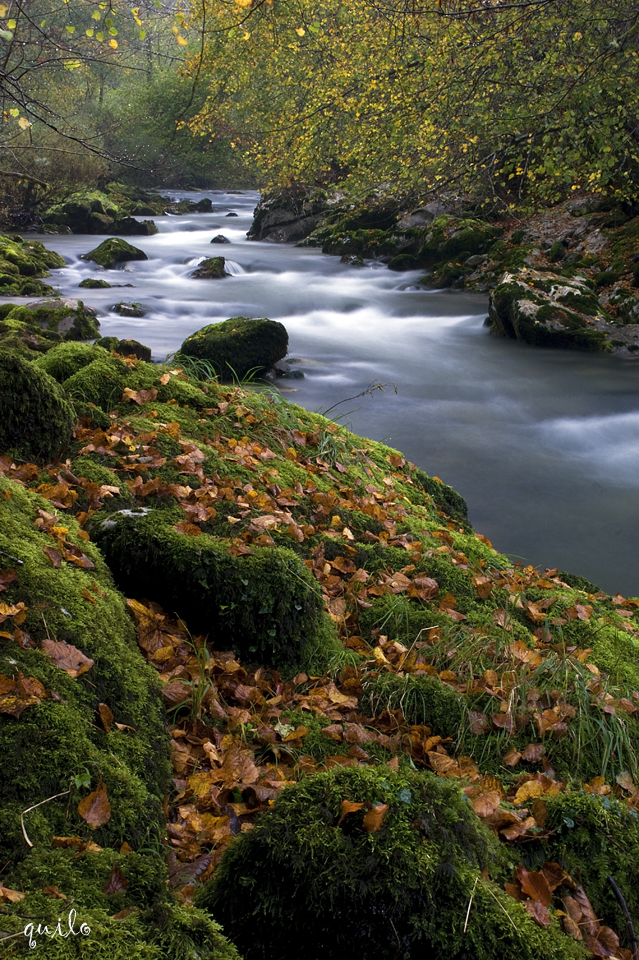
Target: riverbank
(375,636)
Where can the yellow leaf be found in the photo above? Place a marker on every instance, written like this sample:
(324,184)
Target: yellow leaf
(300,31)
(23,123)
(181,40)
(114,44)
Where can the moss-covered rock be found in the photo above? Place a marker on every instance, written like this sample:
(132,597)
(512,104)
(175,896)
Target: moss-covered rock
(546,310)
(34,329)
(266,606)
(139,921)
(112,252)
(213,268)
(57,743)
(36,419)
(21,263)
(239,346)
(65,359)
(125,309)
(307,875)
(126,347)
(92,283)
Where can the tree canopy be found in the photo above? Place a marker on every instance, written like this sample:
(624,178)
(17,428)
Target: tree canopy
(525,100)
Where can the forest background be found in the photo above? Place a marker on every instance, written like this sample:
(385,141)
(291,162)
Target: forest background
(516,104)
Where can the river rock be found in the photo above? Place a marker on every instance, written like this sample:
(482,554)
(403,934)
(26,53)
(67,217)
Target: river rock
(287,216)
(213,268)
(231,214)
(544,309)
(130,227)
(112,252)
(220,238)
(69,304)
(239,346)
(34,329)
(128,309)
(92,283)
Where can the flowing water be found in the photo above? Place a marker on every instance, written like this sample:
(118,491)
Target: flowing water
(543,444)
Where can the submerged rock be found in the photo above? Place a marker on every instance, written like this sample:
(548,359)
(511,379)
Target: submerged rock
(239,346)
(213,268)
(112,252)
(220,238)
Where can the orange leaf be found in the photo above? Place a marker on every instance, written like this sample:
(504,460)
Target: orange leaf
(373,819)
(95,809)
(106,716)
(486,804)
(346,807)
(535,885)
(538,911)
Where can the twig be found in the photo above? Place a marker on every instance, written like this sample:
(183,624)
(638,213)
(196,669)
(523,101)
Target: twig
(470,903)
(629,924)
(35,805)
(498,901)
(369,389)
(11,557)
(46,627)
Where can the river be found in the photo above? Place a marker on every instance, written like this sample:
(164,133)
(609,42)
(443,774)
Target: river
(543,444)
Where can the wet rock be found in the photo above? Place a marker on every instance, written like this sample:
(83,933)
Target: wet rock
(288,216)
(21,263)
(543,309)
(130,227)
(220,238)
(68,304)
(231,214)
(128,309)
(112,252)
(352,259)
(92,283)
(213,268)
(239,346)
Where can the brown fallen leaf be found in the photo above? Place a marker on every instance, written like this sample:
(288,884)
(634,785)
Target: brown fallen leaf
(17,695)
(11,896)
(106,716)
(538,911)
(67,657)
(346,807)
(486,804)
(535,885)
(95,809)
(116,882)
(373,819)
(54,893)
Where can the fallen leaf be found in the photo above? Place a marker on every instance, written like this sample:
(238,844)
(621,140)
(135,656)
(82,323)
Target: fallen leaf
(106,716)
(535,885)
(12,896)
(373,819)
(346,807)
(116,882)
(54,893)
(67,657)
(538,911)
(95,808)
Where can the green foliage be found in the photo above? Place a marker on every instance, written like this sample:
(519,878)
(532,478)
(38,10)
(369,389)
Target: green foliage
(36,419)
(239,345)
(423,700)
(299,877)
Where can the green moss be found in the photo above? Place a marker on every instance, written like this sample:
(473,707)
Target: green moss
(267,606)
(65,359)
(557,252)
(91,283)
(112,252)
(447,500)
(101,382)
(59,738)
(239,345)
(404,890)
(156,928)
(36,420)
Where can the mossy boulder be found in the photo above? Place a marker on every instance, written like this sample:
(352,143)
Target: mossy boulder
(447,237)
(266,605)
(36,419)
(112,252)
(92,283)
(150,925)
(22,262)
(57,743)
(213,268)
(126,347)
(545,310)
(66,359)
(125,309)
(76,211)
(238,346)
(103,381)
(361,885)
(220,238)
(34,329)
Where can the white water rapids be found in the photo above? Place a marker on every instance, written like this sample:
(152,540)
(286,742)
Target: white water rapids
(543,444)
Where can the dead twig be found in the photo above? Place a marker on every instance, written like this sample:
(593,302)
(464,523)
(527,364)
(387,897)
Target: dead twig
(629,924)
(35,805)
